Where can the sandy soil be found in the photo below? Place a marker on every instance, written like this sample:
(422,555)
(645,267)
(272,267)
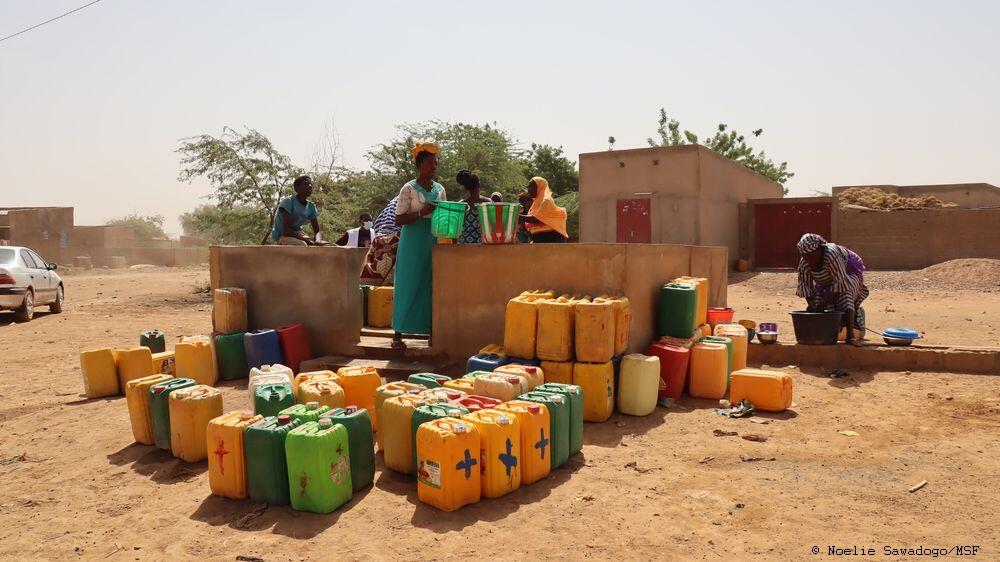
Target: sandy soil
(73,484)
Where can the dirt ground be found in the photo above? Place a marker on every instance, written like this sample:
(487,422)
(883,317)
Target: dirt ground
(74,485)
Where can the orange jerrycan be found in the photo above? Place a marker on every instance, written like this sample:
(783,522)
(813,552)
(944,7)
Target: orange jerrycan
(533,423)
(701,302)
(623,321)
(708,366)
(360,384)
(324,392)
(137,398)
(597,380)
(100,376)
(397,432)
(501,386)
(190,410)
(499,451)
(533,375)
(195,359)
(133,363)
(558,372)
(462,385)
(520,326)
(227,467)
(738,334)
(448,472)
(594,328)
(769,391)
(312,376)
(555,329)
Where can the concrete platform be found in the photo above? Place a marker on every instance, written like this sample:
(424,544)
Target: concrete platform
(391,370)
(875,357)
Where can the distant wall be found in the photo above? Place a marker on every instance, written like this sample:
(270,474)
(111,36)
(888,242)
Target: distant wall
(317,287)
(46,230)
(965,195)
(472,284)
(917,239)
(695,194)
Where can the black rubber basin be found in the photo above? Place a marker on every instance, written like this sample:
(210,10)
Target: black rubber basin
(816,328)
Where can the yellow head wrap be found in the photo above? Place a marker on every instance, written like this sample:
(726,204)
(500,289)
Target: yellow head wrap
(425,147)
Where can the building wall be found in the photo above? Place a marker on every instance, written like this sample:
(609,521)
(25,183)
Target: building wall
(46,230)
(965,195)
(917,239)
(98,237)
(317,287)
(472,284)
(695,194)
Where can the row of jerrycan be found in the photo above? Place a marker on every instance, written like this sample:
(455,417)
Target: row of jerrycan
(538,325)
(491,451)
(310,457)
(171,413)
(274,388)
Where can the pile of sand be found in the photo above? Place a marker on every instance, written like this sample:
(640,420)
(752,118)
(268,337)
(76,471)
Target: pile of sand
(875,198)
(974,271)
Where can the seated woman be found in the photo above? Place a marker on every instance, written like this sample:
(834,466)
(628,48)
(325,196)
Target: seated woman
(831,277)
(545,221)
(471,232)
(411,303)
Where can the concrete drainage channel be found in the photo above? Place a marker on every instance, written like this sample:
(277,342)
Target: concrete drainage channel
(938,359)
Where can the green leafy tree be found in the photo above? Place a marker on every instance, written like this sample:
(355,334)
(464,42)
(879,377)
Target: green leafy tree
(729,143)
(234,226)
(147,227)
(245,170)
(550,163)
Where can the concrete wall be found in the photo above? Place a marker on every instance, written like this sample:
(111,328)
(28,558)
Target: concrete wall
(695,194)
(965,195)
(99,237)
(472,284)
(286,284)
(43,229)
(917,239)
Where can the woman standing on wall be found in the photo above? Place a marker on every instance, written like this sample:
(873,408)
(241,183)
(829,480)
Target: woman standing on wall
(411,305)
(471,232)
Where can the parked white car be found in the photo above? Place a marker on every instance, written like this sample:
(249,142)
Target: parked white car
(27,281)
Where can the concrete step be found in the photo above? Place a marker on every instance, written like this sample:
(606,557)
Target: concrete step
(381,348)
(874,356)
(368,331)
(391,370)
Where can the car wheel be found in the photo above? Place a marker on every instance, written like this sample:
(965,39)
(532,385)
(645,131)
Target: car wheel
(27,310)
(57,305)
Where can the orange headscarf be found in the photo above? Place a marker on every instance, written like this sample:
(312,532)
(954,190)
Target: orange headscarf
(425,147)
(544,208)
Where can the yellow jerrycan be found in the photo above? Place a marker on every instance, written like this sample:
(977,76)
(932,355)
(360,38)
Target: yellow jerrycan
(137,398)
(448,471)
(623,321)
(521,324)
(461,385)
(380,307)
(190,411)
(311,376)
(133,363)
(499,451)
(397,432)
(100,376)
(325,392)
(555,329)
(534,375)
(555,371)
(597,380)
(227,465)
(639,384)
(594,328)
(708,370)
(229,310)
(534,425)
(739,335)
(387,391)
(195,359)
(501,386)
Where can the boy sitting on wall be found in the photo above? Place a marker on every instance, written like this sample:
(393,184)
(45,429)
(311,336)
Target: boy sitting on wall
(293,211)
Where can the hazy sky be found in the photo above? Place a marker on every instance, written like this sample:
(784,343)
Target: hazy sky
(92,106)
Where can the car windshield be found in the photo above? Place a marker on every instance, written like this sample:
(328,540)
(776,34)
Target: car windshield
(6,256)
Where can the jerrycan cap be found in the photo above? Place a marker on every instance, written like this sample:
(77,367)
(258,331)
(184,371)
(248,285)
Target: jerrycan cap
(459,428)
(453,395)
(513,380)
(312,405)
(284,420)
(350,409)
(535,409)
(245,415)
(414,391)
(454,412)
(274,392)
(325,423)
(503,420)
(159,388)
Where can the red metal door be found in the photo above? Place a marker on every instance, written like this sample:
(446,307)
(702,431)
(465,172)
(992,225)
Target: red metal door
(633,225)
(778,227)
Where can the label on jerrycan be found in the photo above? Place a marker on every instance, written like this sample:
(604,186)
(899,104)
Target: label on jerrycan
(429,473)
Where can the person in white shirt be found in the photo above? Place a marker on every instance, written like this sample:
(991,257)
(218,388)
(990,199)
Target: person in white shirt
(360,237)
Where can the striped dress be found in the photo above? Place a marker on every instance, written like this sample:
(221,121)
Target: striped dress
(841,274)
